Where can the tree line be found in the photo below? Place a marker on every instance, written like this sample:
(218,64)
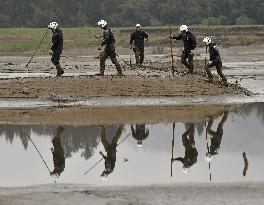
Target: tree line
(76,13)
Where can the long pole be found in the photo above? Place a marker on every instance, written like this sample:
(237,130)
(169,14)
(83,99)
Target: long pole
(172,147)
(205,59)
(207,145)
(171,50)
(42,39)
(92,167)
(39,153)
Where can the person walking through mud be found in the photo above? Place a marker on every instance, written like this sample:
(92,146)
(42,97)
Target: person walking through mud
(140,133)
(137,40)
(110,149)
(216,136)
(57,46)
(189,41)
(58,154)
(191,153)
(109,48)
(215,61)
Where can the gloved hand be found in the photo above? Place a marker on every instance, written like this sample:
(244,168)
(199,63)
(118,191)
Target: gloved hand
(51,53)
(210,62)
(146,40)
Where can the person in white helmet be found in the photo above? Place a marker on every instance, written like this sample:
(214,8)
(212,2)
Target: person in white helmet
(191,153)
(189,41)
(58,154)
(57,46)
(110,149)
(140,133)
(138,38)
(215,61)
(109,48)
(216,136)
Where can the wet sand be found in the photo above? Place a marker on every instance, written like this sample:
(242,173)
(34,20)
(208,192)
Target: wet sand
(200,194)
(113,115)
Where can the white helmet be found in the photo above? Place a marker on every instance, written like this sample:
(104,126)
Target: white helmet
(139,143)
(138,25)
(102,23)
(185,170)
(184,28)
(53,25)
(207,40)
(208,157)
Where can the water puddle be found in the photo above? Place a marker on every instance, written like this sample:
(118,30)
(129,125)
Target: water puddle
(225,148)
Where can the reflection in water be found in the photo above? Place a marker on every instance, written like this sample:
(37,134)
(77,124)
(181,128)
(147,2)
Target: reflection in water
(215,136)
(140,133)
(245,164)
(71,142)
(110,148)
(58,154)
(191,153)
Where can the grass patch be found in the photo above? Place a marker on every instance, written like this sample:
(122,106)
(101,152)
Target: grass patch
(24,40)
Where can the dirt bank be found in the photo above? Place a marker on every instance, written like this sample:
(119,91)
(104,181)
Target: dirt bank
(112,115)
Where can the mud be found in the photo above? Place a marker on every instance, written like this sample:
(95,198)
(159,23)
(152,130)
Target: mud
(243,67)
(109,115)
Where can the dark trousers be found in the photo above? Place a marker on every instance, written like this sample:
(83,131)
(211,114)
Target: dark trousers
(187,55)
(139,54)
(218,66)
(104,55)
(55,59)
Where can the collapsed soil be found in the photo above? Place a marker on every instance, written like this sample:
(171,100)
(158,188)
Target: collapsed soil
(92,86)
(153,79)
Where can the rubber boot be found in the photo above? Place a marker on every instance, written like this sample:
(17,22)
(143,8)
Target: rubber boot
(119,70)
(101,72)
(60,71)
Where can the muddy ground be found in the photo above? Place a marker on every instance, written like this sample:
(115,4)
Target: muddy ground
(79,82)
(25,89)
(185,194)
(113,115)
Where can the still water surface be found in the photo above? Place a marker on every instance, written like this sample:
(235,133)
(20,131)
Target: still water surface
(69,151)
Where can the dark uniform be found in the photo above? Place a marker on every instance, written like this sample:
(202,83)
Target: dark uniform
(139,133)
(109,50)
(138,38)
(189,42)
(216,61)
(110,148)
(216,136)
(58,153)
(191,153)
(57,47)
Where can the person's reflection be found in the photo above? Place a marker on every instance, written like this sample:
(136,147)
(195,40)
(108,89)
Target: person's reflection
(110,149)
(140,133)
(58,154)
(191,153)
(216,136)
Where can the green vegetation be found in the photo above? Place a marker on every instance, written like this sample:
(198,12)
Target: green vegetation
(24,40)
(75,13)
